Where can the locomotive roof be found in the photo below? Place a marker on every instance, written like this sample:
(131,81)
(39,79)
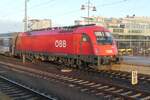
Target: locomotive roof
(57,30)
(65,27)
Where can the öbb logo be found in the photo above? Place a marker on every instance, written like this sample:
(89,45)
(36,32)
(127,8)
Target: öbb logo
(60,43)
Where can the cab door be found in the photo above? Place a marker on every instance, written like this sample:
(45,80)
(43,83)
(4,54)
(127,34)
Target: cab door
(85,45)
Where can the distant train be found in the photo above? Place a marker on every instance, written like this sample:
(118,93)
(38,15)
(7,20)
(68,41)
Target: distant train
(6,40)
(82,45)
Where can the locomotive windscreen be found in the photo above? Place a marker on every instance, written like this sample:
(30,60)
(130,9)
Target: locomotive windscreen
(104,37)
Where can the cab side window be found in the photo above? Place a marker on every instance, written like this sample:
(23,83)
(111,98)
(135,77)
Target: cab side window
(85,37)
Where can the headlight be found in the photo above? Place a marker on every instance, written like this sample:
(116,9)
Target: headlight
(109,51)
(96,50)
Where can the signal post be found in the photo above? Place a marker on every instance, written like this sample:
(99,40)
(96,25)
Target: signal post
(134,79)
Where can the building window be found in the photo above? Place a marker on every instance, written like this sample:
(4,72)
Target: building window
(118,30)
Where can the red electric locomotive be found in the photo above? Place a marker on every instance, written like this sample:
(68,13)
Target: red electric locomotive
(88,45)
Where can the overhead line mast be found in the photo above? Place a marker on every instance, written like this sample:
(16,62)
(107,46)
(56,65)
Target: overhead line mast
(26,17)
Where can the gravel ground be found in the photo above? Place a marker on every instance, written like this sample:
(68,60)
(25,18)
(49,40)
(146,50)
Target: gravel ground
(4,97)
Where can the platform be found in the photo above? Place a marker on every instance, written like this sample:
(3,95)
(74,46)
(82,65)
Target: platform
(137,60)
(130,68)
(131,63)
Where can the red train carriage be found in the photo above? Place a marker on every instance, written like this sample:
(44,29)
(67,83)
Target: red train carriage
(89,45)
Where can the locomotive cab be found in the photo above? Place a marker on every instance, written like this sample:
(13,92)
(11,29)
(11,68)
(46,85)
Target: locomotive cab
(105,47)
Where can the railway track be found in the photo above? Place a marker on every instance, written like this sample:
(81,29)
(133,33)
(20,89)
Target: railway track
(126,76)
(17,91)
(106,90)
(103,89)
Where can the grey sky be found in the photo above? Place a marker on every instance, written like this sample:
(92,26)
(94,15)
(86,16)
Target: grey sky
(64,12)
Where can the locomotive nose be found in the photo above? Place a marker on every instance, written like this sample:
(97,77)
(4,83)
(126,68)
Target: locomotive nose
(106,50)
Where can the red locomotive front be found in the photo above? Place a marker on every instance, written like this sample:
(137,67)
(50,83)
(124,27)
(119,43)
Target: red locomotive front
(76,45)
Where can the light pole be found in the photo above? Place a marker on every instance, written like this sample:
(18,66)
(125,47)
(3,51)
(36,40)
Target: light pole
(145,43)
(132,23)
(89,6)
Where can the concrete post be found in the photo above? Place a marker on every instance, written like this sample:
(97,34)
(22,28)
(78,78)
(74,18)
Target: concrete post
(23,58)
